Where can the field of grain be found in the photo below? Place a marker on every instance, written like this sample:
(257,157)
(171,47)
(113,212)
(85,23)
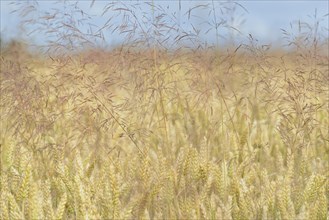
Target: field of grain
(240,133)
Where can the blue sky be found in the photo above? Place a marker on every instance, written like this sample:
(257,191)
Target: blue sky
(263,19)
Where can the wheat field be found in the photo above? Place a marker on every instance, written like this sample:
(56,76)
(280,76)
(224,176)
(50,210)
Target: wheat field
(150,133)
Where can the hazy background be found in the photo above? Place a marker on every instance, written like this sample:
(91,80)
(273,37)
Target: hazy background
(262,19)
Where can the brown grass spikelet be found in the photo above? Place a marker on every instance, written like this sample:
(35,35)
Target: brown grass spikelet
(61,207)
(322,211)
(235,209)
(14,209)
(115,194)
(47,206)
(218,182)
(4,214)
(34,202)
(25,185)
(314,185)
